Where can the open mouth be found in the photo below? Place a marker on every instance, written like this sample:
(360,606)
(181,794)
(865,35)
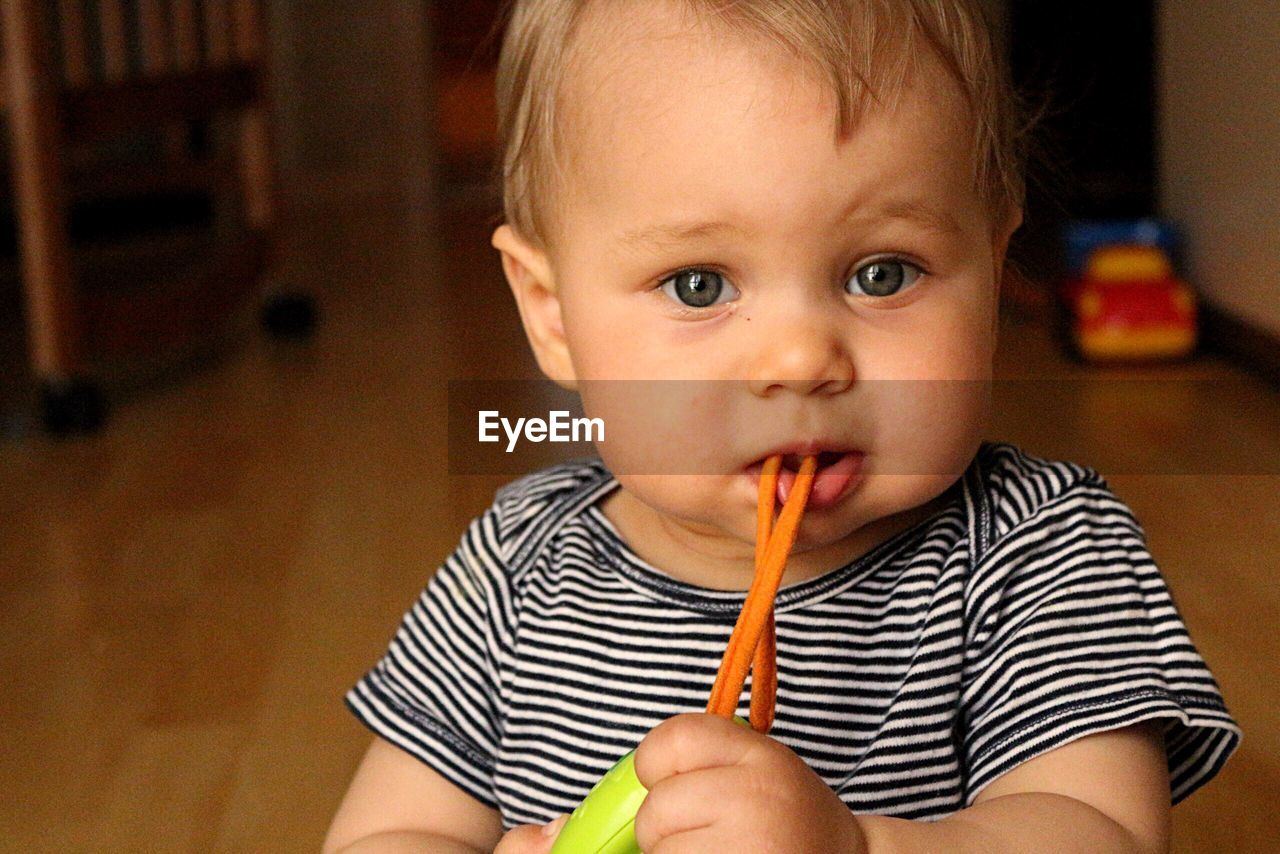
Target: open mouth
(837,474)
(791,462)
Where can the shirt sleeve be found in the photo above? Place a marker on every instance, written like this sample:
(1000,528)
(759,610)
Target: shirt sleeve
(1075,632)
(436,693)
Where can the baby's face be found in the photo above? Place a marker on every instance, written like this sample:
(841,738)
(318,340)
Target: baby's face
(811,295)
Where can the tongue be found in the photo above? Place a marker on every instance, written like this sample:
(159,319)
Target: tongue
(786,479)
(829,481)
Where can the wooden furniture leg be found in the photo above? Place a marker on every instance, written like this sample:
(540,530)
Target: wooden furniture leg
(70,403)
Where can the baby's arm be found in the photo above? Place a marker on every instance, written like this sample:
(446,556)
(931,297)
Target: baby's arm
(396,803)
(1104,792)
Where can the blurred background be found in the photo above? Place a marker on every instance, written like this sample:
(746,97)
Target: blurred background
(244,249)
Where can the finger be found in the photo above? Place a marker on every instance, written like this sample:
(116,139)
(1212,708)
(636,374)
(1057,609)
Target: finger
(694,842)
(688,742)
(530,838)
(687,802)
(552,829)
(521,839)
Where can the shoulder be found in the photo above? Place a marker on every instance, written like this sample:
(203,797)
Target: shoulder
(1018,490)
(484,573)
(1047,525)
(527,511)
(1055,531)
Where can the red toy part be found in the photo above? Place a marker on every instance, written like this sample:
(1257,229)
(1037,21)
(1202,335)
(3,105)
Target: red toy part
(1130,306)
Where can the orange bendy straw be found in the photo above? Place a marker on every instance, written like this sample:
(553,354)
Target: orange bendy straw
(753,637)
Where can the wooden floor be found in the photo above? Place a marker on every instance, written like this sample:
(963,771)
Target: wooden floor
(186,598)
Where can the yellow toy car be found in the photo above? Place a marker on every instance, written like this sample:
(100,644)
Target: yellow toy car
(1130,306)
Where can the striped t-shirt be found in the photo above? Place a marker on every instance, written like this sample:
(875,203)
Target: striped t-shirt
(1024,614)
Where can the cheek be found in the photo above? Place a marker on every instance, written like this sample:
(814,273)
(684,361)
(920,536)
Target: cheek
(942,339)
(617,333)
(702,501)
(663,426)
(928,427)
(963,343)
(589,313)
(605,340)
(896,493)
(582,336)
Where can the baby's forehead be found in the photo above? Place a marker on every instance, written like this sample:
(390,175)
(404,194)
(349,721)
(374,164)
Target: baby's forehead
(678,120)
(626,62)
(616,62)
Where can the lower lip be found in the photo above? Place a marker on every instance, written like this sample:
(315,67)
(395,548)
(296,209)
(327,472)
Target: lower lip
(830,483)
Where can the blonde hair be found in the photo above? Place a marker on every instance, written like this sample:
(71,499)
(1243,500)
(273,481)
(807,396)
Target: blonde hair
(862,49)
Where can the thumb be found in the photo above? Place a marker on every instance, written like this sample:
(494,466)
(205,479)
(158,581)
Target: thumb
(552,829)
(531,838)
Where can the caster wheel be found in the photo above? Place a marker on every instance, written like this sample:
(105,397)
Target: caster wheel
(72,407)
(289,316)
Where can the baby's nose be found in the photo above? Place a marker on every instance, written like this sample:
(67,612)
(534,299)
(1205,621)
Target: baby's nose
(805,359)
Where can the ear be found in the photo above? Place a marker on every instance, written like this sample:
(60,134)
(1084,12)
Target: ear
(1001,234)
(533,285)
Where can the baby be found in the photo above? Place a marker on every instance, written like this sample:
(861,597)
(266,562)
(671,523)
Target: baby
(799,211)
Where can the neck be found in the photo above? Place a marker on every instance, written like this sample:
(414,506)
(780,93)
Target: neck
(720,561)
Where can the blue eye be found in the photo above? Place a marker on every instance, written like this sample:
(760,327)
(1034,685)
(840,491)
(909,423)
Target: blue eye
(699,288)
(883,278)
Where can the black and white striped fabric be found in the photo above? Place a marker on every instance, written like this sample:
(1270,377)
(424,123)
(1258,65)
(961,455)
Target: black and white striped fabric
(1025,614)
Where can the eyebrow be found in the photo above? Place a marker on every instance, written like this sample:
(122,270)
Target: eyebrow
(909,210)
(920,214)
(674,233)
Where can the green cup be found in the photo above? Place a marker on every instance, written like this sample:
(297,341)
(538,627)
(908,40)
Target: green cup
(605,821)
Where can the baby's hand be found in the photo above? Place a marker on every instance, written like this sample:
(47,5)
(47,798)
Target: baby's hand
(717,786)
(530,838)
